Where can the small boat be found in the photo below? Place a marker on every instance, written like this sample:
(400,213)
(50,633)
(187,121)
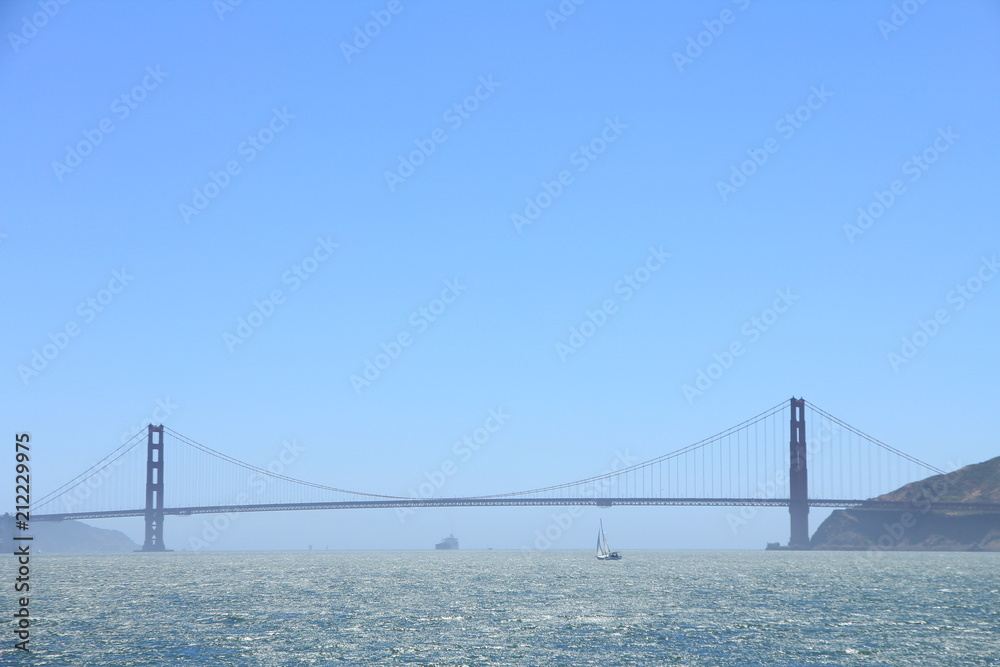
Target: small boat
(604,552)
(447,543)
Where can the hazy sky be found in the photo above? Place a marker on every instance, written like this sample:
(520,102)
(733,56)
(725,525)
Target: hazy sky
(218,214)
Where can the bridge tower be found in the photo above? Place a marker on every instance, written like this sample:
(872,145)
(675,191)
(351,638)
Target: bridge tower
(798,478)
(154,490)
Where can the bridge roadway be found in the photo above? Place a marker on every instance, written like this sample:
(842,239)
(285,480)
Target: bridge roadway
(901,505)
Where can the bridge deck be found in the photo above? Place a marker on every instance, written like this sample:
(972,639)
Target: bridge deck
(914,506)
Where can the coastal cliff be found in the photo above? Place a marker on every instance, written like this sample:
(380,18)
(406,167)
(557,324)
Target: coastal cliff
(67,537)
(917,528)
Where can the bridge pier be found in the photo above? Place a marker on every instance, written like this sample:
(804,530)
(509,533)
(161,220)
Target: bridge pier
(798,478)
(154,490)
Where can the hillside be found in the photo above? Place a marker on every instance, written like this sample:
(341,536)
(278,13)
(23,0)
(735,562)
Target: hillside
(68,537)
(77,537)
(976,483)
(917,528)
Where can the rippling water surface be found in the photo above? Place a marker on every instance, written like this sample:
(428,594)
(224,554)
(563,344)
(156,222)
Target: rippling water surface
(513,608)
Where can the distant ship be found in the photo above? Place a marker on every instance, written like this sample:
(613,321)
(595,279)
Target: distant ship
(447,543)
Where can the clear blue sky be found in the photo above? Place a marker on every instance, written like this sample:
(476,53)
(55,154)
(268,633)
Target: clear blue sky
(833,98)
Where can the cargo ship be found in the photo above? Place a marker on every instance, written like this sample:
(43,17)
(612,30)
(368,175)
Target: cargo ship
(447,543)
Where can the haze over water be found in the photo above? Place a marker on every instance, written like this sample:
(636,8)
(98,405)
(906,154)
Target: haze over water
(517,608)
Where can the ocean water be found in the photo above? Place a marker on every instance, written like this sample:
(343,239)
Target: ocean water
(512,608)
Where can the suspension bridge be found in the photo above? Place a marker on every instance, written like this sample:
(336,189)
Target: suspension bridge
(770,460)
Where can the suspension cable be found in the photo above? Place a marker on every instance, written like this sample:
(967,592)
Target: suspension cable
(639,468)
(121,451)
(684,450)
(878,442)
(229,459)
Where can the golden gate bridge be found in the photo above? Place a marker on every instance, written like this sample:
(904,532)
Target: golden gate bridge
(770,460)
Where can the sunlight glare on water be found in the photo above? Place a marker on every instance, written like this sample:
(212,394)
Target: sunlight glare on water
(516,608)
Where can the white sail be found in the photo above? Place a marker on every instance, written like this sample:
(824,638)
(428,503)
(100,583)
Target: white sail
(603,550)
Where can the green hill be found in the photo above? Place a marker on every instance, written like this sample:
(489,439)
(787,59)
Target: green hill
(917,528)
(976,483)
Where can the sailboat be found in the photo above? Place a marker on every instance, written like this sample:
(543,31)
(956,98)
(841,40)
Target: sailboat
(604,552)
